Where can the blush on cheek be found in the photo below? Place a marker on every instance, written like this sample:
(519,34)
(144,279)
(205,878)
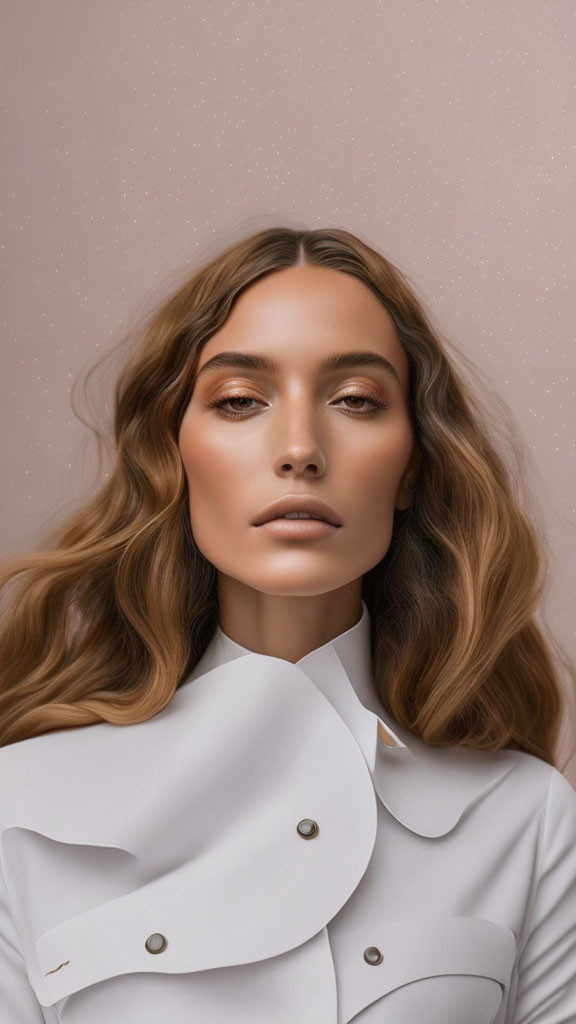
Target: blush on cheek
(390,459)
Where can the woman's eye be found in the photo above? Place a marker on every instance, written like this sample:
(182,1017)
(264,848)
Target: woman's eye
(376,404)
(220,404)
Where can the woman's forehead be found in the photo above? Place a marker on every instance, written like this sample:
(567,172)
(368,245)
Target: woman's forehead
(287,319)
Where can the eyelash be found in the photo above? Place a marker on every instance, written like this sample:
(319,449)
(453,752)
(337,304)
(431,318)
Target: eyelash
(219,404)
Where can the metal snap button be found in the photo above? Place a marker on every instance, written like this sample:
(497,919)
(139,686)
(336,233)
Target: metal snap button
(307,828)
(156,943)
(372,955)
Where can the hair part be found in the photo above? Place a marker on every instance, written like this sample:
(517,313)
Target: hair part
(108,622)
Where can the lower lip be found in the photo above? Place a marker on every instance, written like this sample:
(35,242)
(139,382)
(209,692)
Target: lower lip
(302,529)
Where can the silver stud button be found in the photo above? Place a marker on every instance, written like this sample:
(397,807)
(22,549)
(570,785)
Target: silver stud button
(372,955)
(307,828)
(156,943)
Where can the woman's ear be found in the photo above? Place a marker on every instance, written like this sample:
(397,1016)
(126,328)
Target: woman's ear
(407,486)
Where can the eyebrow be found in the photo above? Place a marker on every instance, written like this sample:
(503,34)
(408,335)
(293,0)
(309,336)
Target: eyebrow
(338,361)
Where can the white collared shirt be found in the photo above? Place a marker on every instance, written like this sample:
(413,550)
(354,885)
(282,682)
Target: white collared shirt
(296,854)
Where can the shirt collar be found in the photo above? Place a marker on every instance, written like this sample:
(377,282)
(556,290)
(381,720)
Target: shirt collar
(426,788)
(350,689)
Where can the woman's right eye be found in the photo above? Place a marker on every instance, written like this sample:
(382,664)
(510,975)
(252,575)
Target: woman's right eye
(220,403)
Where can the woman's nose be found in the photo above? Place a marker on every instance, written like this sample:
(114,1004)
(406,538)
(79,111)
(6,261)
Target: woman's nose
(299,442)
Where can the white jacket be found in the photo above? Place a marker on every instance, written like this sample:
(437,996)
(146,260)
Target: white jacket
(299,857)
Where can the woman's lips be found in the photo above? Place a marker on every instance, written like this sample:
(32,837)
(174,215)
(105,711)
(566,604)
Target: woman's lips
(298,529)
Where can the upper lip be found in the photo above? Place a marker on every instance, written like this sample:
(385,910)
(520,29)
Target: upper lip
(298,503)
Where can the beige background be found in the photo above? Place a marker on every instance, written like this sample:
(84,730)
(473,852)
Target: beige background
(139,137)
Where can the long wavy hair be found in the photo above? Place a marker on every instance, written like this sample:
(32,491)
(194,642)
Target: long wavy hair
(108,622)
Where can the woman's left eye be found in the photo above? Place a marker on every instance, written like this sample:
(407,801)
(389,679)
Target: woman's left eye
(220,403)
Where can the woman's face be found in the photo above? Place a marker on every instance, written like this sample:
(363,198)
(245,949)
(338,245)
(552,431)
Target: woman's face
(342,435)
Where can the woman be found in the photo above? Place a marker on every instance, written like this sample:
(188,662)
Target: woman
(265,769)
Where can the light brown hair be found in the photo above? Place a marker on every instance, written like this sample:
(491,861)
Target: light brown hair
(107,623)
